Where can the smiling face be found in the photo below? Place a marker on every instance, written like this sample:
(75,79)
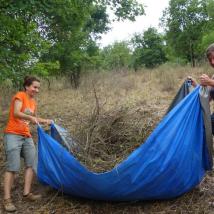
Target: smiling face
(33,89)
(211,58)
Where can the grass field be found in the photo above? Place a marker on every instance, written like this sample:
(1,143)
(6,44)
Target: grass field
(131,103)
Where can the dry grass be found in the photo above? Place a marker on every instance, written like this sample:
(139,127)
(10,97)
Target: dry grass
(112,113)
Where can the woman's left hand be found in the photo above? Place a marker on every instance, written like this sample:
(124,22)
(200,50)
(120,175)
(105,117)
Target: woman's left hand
(45,121)
(48,121)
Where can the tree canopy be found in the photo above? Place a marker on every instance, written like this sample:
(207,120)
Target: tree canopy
(60,37)
(38,33)
(186,22)
(148,49)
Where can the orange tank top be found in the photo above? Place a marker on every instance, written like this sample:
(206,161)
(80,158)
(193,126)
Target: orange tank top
(16,125)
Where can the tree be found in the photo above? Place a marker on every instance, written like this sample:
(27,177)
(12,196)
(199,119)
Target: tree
(20,42)
(54,31)
(208,36)
(185,22)
(78,21)
(116,56)
(148,49)
(210,8)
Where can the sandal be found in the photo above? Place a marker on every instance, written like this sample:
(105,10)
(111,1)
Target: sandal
(8,205)
(32,197)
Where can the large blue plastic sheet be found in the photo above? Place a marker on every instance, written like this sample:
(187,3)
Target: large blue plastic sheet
(172,161)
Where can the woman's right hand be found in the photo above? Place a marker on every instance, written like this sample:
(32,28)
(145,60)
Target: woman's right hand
(33,120)
(44,121)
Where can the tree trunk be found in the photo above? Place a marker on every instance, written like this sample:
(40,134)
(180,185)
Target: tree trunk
(192,55)
(75,77)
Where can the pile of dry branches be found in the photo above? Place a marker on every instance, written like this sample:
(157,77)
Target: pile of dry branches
(108,137)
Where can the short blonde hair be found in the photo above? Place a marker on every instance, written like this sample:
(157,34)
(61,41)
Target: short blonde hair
(209,50)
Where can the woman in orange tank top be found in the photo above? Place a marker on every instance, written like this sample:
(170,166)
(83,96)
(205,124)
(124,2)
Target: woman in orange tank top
(18,141)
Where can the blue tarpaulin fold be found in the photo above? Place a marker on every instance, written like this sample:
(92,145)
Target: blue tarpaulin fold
(168,164)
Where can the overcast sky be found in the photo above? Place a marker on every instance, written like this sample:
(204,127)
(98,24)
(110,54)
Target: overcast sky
(124,30)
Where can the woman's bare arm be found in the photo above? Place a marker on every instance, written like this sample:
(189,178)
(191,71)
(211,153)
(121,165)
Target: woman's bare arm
(21,115)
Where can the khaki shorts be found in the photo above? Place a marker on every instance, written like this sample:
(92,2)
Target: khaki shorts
(17,146)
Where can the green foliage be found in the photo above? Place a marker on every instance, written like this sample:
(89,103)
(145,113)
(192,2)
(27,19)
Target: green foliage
(210,8)
(207,39)
(208,36)
(72,27)
(45,69)
(123,9)
(149,49)
(186,21)
(93,59)
(116,56)
(173,58)
(20,44)
(44,37)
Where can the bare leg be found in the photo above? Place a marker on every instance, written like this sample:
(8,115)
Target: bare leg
(8,182)
(28,180)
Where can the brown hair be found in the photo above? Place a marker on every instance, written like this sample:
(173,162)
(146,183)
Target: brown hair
(209,50)
(28,80)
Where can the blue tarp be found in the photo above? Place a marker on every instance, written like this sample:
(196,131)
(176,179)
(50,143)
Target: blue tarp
(169,163)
